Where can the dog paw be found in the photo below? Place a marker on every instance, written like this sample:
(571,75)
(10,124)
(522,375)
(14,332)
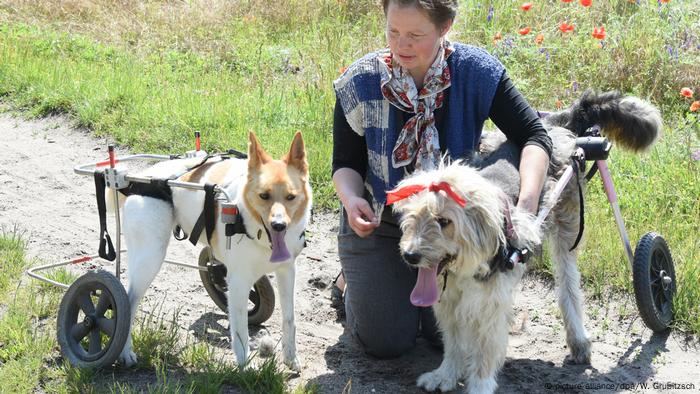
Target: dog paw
(293,364)
(128,358)
(580,352)
(481,386)
(430,381)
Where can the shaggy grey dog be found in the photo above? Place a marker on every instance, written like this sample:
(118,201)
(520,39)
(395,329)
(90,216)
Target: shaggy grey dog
(457,221)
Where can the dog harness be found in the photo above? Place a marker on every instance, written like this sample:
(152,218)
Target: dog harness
(503,260)
(159,189)
(156,188)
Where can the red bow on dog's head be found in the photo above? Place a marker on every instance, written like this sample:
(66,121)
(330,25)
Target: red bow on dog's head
(395,195)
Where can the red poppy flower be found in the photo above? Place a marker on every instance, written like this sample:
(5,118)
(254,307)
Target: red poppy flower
(687,92)
(566,28)
(695,106)
(524,31)
(586,3)
(526,6)
(599,33)
(665,1)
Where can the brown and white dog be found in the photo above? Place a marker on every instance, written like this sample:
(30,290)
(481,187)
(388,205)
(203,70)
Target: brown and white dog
(273,197)
(457,219)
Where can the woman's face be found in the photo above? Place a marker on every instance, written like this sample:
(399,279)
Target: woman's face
(413,38)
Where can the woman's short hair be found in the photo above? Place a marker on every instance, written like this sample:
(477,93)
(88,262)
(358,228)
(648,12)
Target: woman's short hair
(440,12)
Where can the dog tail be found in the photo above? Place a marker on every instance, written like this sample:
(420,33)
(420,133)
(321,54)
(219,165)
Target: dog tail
(627,120)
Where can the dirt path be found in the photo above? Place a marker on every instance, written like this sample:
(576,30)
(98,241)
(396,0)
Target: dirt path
(40,193)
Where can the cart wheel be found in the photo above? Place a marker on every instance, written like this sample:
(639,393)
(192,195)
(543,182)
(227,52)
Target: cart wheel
(654,281)
(261,296)
(93,320)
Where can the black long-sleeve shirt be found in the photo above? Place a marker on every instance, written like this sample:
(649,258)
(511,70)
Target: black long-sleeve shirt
(510,112)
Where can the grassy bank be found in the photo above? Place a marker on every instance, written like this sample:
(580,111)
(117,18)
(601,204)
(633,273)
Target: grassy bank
(30,360)
(153,72)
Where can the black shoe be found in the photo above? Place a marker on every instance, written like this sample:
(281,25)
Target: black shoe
(337,299)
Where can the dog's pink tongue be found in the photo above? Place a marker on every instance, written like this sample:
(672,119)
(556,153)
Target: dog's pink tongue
(425,293)
(279,247)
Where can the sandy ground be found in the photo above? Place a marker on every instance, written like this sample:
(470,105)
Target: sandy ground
(40,193)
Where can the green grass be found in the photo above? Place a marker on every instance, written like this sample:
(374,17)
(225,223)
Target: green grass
(22,350)
(12,258)
(30,361)
(226,69)
(153,72)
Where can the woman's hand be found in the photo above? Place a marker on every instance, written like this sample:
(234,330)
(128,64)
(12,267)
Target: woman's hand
(350,188)
(361,218)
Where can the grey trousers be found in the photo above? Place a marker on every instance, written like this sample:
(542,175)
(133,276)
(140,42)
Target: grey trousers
(379,313)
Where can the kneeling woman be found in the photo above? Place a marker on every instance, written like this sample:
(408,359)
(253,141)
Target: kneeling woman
(399,110)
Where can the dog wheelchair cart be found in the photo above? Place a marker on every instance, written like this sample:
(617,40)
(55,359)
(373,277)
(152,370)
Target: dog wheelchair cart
(653,275)
(94,314)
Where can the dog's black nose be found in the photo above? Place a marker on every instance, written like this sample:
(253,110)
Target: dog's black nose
(412,258)
(279,226)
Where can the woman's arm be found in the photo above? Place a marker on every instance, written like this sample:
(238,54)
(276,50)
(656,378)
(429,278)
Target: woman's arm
(349,161)
(533,169)
(350,188)
(520,123)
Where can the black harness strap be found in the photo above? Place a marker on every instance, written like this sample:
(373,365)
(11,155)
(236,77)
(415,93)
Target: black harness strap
(581,226)
(238,227)
(592,171)
(157,188)
(197,229)
(207,219)
(499,263)
(209,209)
(106,248)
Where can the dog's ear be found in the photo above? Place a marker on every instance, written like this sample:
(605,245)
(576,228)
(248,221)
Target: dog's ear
(256,154)
(297,154)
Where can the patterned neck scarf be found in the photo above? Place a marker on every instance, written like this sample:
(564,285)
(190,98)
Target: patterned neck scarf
(418,141)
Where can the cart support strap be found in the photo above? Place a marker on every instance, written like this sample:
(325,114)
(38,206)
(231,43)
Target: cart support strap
(207,220)
(577,166)
(106,248)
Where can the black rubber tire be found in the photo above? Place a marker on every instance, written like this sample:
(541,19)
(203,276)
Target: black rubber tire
(104,336)
(262,295)
(652,261)
(213,282)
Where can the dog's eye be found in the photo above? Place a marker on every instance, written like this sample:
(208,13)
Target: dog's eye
(443,222)
(291,197)
(264,196)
